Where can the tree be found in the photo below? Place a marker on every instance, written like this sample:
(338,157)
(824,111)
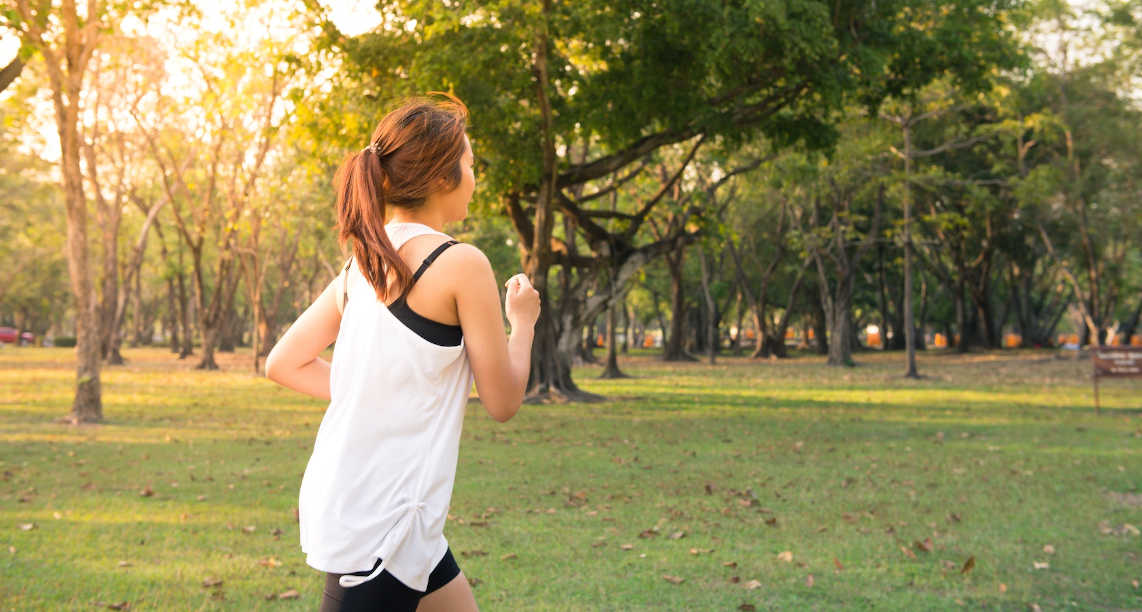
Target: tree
(632,77)
(66,42)
(841,207)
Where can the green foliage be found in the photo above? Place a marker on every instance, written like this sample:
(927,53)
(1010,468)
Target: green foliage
(622,70)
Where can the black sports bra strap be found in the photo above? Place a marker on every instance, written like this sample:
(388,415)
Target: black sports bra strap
(427,262)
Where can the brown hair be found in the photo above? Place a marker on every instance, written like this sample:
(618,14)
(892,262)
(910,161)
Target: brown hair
(414,150)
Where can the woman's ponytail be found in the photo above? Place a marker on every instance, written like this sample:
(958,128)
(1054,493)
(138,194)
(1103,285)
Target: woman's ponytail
(361,185)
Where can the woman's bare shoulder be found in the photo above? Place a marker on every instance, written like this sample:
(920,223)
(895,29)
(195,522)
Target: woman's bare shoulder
(468,266)
(468,253)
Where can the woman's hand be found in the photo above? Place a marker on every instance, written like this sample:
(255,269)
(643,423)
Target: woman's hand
(522,302)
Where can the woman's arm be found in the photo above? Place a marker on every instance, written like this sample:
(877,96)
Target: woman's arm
(500,365)
(293,362)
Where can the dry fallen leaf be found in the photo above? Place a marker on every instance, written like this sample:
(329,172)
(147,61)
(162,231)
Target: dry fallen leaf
(290,594)
(907,552)
(730,564)
(508,556)
(119,606)
(472,553)
(269,562)
(809,580)
(1002,588)
(926,545)
(124,564)
(753,584)
(747,608)
(772,522)
(1040,565)
(626,546)
(968,565)
(735,579)
(212,582)
(837,564)
(786,556)
(1050,550)
(27,526)
(147,491)
(672,579)
(677,535)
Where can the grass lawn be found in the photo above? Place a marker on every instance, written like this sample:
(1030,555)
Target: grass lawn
(778,485)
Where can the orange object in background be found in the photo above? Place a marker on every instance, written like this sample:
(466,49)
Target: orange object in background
(647,342)
(874,339)
(1136,340)
(599,340)
(1012,340)
(788,333)
(750,334)
(1117,340)
(812,334)
(940,341)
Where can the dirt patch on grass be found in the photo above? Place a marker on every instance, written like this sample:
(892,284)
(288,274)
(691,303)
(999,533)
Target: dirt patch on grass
(1133,500)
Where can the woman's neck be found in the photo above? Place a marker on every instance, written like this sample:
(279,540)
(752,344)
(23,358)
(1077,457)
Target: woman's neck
(423,218)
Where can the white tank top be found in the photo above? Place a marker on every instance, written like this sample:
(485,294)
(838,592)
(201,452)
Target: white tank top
(379,482)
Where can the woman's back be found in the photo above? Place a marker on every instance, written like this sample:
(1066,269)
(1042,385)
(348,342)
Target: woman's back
(384,460)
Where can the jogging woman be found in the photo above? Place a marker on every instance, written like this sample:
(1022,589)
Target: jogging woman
(416,318)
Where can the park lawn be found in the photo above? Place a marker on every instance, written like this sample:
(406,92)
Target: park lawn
(821,488)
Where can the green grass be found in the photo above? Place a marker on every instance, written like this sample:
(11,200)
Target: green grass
(994,457)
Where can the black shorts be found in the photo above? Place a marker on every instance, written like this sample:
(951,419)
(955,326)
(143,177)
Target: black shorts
(384,592)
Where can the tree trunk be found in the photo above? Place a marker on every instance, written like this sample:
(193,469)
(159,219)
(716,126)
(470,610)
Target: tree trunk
(628,324)
(910,370)
(1131,325)
(711,340)
(172,318)
(774,343)
(138,337)
(736,342)
(611,370)
(820,329)
(109,306)
(184,305)
(674,350)
(837,315)
(213,318)
(962,344)
(87,406)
